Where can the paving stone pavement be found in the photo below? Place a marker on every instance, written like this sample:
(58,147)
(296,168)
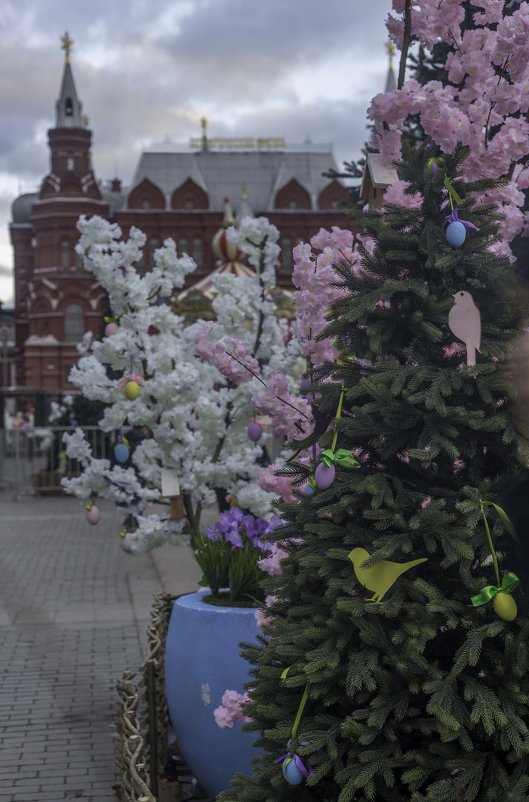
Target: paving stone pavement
(74,608)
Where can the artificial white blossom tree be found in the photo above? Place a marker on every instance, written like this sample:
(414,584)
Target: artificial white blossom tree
(179,414)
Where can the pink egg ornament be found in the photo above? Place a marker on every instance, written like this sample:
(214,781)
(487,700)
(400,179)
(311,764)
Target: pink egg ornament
(93,515)
(110,329)
(254,431)
(324,476)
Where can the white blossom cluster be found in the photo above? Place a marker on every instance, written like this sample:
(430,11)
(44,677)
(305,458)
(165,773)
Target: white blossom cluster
(193,419)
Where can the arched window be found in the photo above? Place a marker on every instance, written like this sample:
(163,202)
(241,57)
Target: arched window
(153,246)
(286,255)
(70,161)
(197,251)
(65,254)
(145,203)
(73,323)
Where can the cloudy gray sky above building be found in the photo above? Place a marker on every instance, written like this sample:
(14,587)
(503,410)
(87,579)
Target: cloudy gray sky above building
(148,70)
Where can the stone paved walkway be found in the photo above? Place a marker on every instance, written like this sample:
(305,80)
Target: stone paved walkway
(74,608)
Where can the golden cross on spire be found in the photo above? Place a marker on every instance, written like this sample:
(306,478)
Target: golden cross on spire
(390,47)
(66,46)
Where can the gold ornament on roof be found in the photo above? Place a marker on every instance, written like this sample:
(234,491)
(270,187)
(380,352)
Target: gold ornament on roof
(67,43)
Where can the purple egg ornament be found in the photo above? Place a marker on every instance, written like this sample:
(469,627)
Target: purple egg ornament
(324,476)
(110,329)
(254,431)
(305,383)
(291,773)
(93,515)
(456,233)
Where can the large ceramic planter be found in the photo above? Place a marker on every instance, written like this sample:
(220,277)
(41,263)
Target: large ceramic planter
(202,660)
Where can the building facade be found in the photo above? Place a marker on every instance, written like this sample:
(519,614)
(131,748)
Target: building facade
(176,192)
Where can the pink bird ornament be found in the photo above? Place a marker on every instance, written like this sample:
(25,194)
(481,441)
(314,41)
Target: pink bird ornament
(464,321)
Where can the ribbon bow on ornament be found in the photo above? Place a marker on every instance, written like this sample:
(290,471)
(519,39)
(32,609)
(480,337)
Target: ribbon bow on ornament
(453,217)
(295,769)
(508,583)
(341,457)
(129,377)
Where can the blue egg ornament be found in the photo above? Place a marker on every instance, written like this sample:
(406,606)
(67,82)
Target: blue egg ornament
(456,233)
(308,490)
(291,773)
(121,452)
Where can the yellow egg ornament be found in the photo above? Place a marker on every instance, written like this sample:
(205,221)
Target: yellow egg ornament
(505,606)
(132,390)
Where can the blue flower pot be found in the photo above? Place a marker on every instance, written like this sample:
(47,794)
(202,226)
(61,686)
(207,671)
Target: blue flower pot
(202,660)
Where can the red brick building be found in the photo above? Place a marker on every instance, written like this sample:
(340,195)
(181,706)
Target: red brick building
(175,192)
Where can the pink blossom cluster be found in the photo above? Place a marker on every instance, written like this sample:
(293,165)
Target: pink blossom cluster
(261,616)
(228,354)
(279,485)
(291,415)
(230,711)
(313,276)
(271,564)
(484,105)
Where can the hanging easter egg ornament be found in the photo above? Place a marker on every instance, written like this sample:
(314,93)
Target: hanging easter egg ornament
(308,490)
(110,329)
(122,450)
(456,230)
(93,513)
(132,390)
(324,475)
(505,607)
(254,431)
(130,384)
(295,770)
(112,325)
(503,603)
(434,166)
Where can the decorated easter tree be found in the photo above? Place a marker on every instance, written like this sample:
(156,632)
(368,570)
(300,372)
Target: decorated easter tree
(476,95)
(179,425)
(396,663)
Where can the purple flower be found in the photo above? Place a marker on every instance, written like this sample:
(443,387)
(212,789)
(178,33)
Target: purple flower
(237,528)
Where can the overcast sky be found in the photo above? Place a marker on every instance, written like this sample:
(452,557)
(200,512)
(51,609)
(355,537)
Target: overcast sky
(147,70)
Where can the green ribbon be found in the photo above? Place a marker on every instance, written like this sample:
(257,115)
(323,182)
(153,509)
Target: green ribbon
(451,191)
(113,319)
(508,583)
(302,703)
(340,457)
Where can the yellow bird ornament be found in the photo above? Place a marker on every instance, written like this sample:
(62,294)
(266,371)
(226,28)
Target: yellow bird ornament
(381,576)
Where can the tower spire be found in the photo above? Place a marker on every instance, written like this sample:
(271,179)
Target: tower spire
(391,81)
(68,106)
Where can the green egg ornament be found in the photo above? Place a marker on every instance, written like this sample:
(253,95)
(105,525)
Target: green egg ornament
(132,390)
(505,606)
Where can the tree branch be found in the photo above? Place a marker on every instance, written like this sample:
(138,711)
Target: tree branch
(406,41)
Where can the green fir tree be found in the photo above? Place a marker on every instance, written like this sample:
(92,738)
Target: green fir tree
(422,697)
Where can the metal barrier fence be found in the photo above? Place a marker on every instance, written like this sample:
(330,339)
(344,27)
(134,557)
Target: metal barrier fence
(34,461)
